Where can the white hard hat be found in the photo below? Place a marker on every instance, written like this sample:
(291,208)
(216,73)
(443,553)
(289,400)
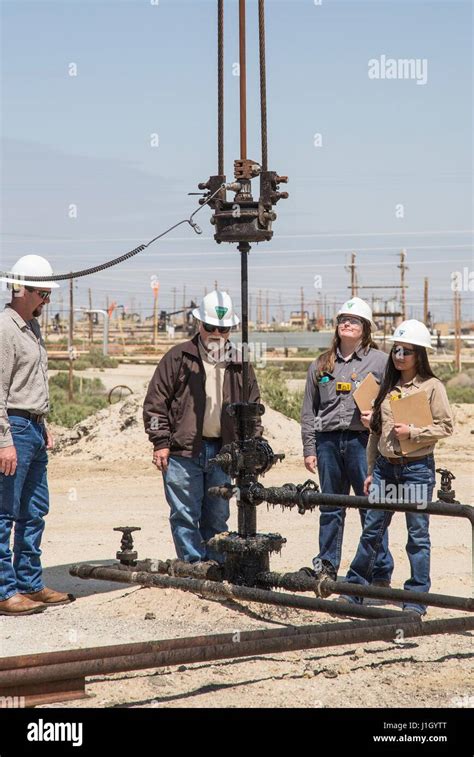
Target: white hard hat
(412,332)
(358,307)
(31,265)
(216,309)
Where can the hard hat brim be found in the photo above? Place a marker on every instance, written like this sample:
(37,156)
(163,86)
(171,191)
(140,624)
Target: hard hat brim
(356,315)
(410,341)
(26,282)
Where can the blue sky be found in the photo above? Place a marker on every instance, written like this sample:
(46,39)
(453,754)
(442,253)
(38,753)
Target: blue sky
(145,69)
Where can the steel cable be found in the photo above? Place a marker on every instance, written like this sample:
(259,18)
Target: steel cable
(220,87)
(115,261)
(263,84)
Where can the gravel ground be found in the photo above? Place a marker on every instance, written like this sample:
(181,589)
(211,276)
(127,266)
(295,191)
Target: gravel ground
(104,478)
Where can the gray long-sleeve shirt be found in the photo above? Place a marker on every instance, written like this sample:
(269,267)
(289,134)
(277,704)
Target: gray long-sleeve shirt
(325,408)
(24,369)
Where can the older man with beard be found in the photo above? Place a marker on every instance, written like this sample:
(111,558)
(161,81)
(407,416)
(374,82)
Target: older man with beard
(186,420)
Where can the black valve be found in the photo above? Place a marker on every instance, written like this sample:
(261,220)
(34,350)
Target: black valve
(446,493)
(126,554)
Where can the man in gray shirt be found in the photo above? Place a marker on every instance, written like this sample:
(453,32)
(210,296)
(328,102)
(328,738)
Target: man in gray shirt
(24,439)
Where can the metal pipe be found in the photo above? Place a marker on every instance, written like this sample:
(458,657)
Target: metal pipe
(244,249)
(242,82)
(308,500)
(147,647)
(419,597)
(231,591)
(209,652)
(298,582)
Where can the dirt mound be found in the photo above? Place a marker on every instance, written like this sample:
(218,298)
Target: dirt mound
(459,445)
(117,433)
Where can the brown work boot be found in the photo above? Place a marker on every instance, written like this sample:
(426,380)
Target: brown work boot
(19,604)
(51,597)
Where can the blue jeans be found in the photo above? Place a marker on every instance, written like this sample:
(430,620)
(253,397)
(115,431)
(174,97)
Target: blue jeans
(342,463)
(195,516)
(24,502)
(415,477)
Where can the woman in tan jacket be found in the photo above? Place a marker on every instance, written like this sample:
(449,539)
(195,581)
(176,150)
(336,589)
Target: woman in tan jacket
(393,476)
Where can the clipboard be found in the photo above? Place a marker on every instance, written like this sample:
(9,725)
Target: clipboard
(366,392)
(414,409)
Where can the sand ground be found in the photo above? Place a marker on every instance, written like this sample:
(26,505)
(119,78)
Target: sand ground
(101,477)
(429,672)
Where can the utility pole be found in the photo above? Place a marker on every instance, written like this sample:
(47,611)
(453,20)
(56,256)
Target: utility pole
(156,289)
(71,340)
(250,309)
(91,323)
(352,269)
(281,316)
(61,306)
(184,305)
(174,299)
(457,331)
(71,312)
(425,301)
(43,320)
(216,287)
(259,308)
(403,267)
(267,310)
(302,309)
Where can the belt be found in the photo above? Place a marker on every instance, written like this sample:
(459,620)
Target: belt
(405,460)
(211,438)
(26,414)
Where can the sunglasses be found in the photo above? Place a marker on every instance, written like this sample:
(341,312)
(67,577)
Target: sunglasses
(43,293)
(348,318)
(402,352)
(221,329)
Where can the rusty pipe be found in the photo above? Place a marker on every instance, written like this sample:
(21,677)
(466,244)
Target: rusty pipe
(300,582)
(465,604)
(185,642)
(242,82)
(269,645)
(231,591)
(308,500)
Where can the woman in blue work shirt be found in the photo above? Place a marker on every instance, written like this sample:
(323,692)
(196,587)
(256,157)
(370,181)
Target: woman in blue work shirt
(334,437)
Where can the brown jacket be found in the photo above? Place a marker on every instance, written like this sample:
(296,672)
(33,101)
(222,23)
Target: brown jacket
(173,411)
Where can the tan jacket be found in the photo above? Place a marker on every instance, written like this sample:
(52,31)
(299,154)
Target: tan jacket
(387,444)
